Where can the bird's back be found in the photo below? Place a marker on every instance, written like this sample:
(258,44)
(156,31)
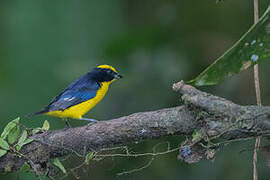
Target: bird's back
(77,92)
(78,110)
(78,98)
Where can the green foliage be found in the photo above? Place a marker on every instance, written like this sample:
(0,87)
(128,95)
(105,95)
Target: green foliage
(57,163)
(196,136)
(88,157)
(3,144)
(46,125)
(36,130)
(2,152)
(252,48)
(14,134)
(21,140)
(25,167)
(9,127)
(27,141)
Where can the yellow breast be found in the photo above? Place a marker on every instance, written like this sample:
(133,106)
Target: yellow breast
(77,111)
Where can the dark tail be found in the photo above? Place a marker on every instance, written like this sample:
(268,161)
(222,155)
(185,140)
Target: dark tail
(36,113)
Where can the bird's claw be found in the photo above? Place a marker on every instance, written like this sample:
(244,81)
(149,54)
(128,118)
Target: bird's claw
(91,123)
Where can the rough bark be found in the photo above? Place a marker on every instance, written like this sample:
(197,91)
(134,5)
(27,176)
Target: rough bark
(210,115)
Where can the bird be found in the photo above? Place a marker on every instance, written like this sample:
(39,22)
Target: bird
(81,95)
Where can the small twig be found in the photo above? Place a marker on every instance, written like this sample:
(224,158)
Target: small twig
(138,169)
(127,154)
(258,97)
(151,160)
(138,155)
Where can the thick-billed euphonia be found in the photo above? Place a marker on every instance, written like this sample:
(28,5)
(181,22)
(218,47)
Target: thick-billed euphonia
(82,95)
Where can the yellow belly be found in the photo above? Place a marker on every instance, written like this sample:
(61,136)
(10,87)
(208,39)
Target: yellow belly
(79,110)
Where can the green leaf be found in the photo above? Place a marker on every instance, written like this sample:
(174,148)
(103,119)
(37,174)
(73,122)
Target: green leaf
(27,141)
(21,140)
(88,157)
(9,127)
(3,144)
(46,126)
(196,136)
(57,163)
(36,130)
(25,167)
(2,152)
(13,135)
(252,48)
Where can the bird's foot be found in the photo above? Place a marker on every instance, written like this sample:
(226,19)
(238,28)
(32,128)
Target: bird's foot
(91,121)
(67,124)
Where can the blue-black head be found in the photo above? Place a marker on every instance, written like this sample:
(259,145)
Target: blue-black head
(104,73)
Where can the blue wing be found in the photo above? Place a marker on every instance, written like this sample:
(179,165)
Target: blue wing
(79,91)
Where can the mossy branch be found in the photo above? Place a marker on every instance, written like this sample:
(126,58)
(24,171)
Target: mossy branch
(208,116)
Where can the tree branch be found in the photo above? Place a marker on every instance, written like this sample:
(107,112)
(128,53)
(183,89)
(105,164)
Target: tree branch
(212,116)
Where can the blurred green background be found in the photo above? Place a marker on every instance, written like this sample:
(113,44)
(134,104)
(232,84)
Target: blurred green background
(45,45)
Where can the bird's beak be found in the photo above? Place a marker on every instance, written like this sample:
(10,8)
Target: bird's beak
(117,76)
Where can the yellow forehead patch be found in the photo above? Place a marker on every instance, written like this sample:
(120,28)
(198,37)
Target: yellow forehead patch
(105,66)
